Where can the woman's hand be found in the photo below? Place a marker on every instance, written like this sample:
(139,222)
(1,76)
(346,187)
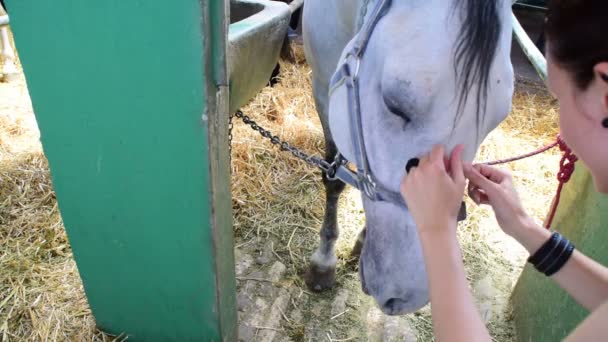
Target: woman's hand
(488,185)
(433,192)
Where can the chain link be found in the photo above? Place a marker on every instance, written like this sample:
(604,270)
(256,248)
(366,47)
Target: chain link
(230,127)
(315,161)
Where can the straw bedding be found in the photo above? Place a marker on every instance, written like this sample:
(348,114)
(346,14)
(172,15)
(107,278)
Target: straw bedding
(276,199)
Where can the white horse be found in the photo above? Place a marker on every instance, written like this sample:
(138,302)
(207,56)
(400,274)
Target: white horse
(408,74)
(7,55)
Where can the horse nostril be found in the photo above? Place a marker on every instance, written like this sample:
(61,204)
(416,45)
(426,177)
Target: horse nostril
(395,304)
(411,163)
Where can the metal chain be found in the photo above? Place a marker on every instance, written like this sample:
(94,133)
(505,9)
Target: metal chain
(315,161)
(230,127)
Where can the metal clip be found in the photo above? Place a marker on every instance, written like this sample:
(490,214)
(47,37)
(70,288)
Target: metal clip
(369,187)
(332,171)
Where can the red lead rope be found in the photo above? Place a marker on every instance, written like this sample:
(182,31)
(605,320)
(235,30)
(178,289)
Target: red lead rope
(527,155)
(566,169)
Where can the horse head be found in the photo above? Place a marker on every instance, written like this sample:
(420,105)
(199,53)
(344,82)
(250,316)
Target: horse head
(416,73)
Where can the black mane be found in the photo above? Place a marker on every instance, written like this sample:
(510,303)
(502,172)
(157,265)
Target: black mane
(475,50)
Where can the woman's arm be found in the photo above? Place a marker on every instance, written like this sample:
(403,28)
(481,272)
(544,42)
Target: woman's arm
(584,279)
(593,328)
(455,316)
(433,194)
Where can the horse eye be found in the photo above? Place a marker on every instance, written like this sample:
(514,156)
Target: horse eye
(394,109)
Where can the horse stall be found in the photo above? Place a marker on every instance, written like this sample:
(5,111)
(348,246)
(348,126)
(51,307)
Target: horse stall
(131,99)
(184,223)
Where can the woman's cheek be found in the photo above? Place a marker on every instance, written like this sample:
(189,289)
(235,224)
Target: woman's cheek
(569,126)
(564,127)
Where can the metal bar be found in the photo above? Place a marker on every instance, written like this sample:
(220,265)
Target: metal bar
(534,55)
(214,121)
(521,4)
(4,20)
(295,5)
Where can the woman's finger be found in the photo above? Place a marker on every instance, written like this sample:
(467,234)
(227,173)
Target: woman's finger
(479,180)
(483,197)
(424,161)
(456,167)
(437,155)
(477,195)
(474,194)
(495,175)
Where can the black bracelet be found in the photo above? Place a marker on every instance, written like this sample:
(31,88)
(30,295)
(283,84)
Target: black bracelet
(542,253)
(552,255)
(561,260)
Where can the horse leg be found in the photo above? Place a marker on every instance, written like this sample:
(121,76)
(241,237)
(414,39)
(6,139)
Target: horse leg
(321,274)
(6,52)
(356,252)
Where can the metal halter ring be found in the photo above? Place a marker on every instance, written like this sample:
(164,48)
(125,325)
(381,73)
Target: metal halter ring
(357,65)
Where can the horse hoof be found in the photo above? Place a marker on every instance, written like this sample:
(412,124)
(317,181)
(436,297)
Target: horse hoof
(319,279)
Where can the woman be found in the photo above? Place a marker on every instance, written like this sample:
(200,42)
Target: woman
(577,56)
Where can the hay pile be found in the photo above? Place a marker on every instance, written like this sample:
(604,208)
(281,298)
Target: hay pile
(277,200)
(41,296)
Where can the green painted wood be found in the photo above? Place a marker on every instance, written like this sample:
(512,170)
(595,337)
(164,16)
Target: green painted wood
(542,310)
(217,15)
(127,119)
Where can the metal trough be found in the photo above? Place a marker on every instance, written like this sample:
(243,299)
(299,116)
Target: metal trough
(257,31)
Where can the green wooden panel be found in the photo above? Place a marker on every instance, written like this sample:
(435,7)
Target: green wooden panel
(543,311)
(127,120)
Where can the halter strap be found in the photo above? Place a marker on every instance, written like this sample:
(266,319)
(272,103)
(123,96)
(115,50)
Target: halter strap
(368,27)
(363,179)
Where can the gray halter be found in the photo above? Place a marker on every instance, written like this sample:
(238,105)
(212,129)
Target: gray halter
(363,179)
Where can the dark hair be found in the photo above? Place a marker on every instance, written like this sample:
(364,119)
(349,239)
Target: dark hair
(577,35)
(475,51)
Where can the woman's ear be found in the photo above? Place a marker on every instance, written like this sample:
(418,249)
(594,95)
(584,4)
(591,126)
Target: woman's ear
(601,76)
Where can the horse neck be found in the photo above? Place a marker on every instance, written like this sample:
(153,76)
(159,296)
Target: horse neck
(348,13)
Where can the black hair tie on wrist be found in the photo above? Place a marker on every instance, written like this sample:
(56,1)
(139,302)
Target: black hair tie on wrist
(552,255)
